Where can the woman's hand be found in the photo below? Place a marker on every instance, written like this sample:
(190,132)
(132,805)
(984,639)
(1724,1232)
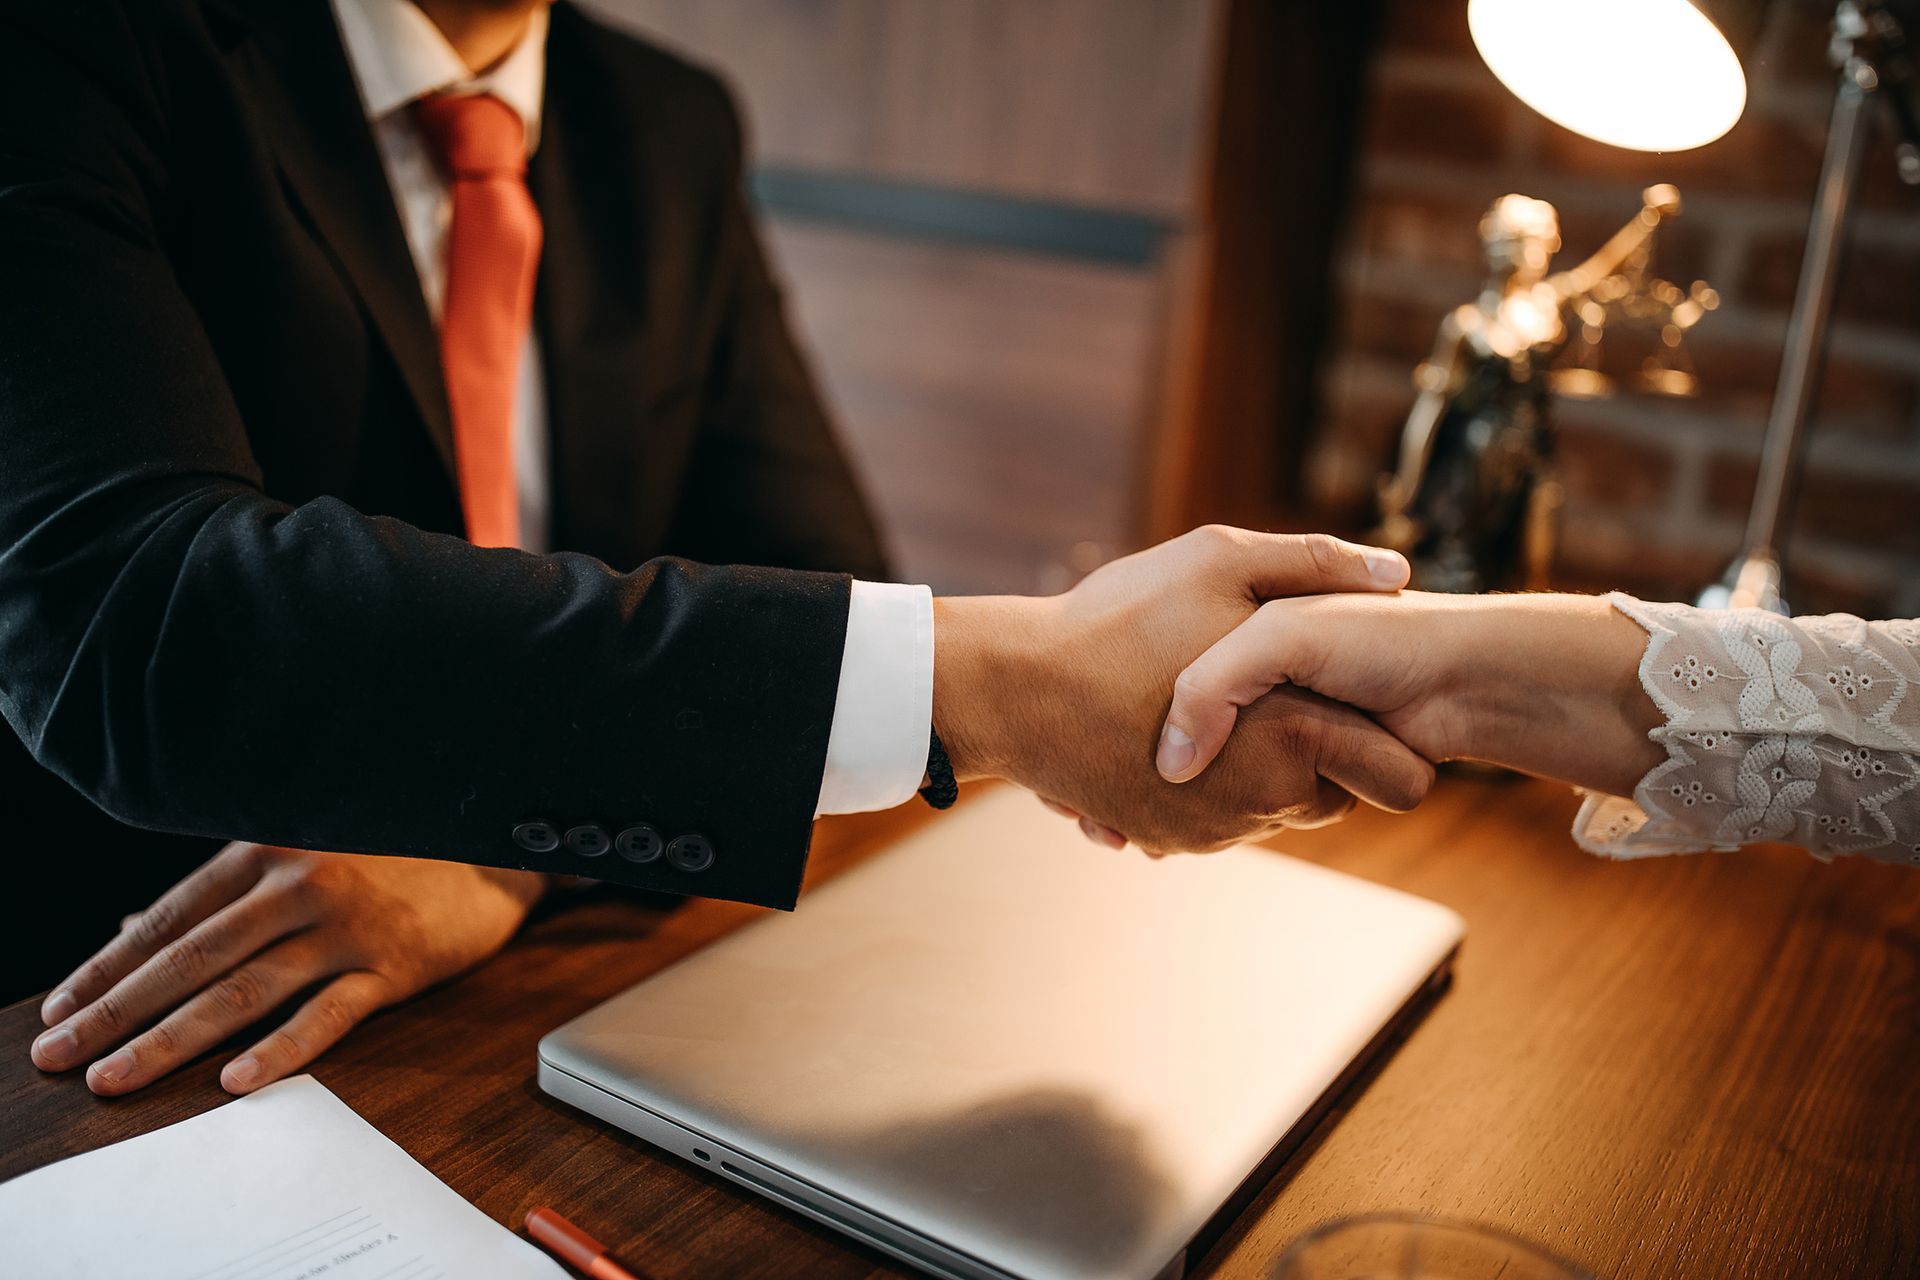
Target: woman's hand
(1062,695)
(256,926)
(1543,683)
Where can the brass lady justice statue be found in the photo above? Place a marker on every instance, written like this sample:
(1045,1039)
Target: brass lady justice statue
(1474,504)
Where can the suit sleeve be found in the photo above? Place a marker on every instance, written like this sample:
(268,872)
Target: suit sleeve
(197,657)
(769,481)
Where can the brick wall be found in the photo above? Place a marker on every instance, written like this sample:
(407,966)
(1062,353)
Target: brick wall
(1657,488)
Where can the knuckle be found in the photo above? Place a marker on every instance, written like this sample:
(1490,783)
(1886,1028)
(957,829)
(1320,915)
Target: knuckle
(163,1040)
(310,888)
(1286,737)
(1324,552)
(95,975)
(184,959)
(108,1015)
(281,1050)
(155,925)
(1216,539)
(280,1046)
(1308,727)
(241,992)
(334,1015)
(1353,746)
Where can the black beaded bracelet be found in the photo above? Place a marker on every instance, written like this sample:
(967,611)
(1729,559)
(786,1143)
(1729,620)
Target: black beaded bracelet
(941,789)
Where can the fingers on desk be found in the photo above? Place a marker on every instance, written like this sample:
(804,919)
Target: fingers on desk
(170,920)
(313,1029)
(207,959)
(202,1017)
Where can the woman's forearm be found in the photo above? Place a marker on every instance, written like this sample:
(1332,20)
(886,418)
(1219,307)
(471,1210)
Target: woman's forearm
(1548,684)
(1695,729)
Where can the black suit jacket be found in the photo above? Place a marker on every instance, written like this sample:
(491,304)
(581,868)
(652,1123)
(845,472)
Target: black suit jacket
(234,602)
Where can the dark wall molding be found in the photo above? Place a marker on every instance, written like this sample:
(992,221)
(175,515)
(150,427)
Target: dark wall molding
(929,213)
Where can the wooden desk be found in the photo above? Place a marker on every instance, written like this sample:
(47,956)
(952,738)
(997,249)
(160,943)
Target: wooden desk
(1687,1067)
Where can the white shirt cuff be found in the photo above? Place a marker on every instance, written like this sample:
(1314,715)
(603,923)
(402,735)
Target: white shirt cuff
(877,748)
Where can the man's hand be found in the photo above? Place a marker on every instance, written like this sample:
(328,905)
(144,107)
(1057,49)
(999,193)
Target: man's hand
(1066,695)
(1547,684)
(253,928)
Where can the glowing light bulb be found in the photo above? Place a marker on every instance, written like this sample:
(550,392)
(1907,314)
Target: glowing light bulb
(1652,75)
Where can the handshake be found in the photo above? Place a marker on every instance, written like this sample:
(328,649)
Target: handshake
(1200,693)
(1226,684)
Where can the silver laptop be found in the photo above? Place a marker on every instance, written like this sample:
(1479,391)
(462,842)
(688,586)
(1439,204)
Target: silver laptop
(997,1050)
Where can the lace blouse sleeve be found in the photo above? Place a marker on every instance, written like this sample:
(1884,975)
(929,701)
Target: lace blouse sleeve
(1801,730)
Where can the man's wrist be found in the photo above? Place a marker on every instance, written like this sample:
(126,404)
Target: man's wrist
(987,656)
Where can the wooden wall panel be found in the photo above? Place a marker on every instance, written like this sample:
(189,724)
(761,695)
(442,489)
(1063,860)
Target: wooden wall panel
(1099,102)
(996,403)
(1292,78)
(1002,402)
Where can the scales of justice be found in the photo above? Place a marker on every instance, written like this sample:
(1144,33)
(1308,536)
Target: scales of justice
(1474,503)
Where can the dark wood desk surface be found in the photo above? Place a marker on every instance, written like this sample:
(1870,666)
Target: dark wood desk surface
(1686,1067)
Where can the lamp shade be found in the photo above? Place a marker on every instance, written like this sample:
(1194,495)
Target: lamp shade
(1651,75)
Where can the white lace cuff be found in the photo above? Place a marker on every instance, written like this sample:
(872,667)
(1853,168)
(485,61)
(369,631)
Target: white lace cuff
(1799,730)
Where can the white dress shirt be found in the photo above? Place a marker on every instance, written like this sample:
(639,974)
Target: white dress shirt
(877,747)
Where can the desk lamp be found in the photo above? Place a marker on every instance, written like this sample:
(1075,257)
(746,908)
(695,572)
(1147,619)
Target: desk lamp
(1668,75)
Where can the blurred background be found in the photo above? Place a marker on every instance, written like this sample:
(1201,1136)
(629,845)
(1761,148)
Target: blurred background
(1080,274)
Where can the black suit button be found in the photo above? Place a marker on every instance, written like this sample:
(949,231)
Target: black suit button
(690,853)
(536,837)
(639,843)
(588,840)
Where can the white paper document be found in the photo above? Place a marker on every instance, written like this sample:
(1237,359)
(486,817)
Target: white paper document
(285,1184)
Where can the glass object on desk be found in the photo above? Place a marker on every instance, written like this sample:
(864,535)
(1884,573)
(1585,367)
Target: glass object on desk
(1394,1246)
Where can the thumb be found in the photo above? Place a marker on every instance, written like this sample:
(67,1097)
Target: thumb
(1270,648)
(1277,564)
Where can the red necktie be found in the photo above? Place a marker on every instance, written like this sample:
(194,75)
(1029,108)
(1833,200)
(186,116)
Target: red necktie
(493,251)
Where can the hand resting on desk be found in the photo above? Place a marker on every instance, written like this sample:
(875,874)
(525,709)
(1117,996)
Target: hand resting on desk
(252,929)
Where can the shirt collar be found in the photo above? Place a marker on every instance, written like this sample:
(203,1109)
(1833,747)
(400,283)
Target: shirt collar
(398,57)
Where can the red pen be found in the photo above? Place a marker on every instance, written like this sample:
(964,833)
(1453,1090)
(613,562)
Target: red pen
(575,1247)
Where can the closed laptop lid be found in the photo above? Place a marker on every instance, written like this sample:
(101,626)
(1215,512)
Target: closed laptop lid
(1046,1055)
